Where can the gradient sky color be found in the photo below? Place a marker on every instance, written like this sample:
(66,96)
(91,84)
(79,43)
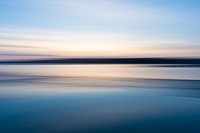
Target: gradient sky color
(99,28)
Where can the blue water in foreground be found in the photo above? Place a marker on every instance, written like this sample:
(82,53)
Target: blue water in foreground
(99,99)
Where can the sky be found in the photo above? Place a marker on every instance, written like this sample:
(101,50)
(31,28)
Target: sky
(35,29)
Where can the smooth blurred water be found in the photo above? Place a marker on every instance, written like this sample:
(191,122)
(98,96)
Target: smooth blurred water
(99,99)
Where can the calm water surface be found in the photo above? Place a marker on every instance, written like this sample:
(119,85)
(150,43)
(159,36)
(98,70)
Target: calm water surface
(99,99)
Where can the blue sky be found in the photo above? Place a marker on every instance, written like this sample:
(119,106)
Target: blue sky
(79,28)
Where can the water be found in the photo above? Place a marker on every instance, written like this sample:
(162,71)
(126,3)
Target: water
(99,99)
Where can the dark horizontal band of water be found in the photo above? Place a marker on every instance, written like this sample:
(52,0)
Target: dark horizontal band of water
(178,61)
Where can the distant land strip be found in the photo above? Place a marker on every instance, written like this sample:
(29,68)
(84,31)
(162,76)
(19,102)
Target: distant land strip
(158,61)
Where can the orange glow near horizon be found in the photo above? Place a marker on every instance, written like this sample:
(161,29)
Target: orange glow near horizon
(39,45)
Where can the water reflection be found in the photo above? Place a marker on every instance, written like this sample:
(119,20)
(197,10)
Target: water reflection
(99,99)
